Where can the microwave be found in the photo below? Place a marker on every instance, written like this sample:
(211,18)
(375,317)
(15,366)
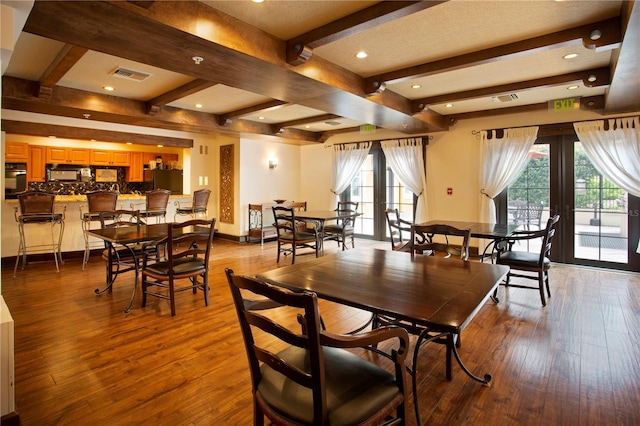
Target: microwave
(80,174)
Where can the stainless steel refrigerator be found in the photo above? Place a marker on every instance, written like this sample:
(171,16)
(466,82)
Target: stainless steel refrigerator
(163,179)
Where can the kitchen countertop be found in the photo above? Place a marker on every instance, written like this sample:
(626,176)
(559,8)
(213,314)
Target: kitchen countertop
(83,198)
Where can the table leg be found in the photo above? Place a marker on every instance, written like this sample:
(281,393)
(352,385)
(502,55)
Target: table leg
(425,338)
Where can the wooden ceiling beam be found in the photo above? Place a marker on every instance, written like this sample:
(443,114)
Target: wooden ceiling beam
(68,56)
(609,38)
(590,78)
(299,48)
(17,94)
(255,108)
(314,119)
(67,132)
(187,89)
(146,35)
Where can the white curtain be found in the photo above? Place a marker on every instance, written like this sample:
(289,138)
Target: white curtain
(615,152)
(501,161)
(347,160)
(405,158)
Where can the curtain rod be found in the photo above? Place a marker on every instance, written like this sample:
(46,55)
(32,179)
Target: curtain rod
(553,126)
(425,139)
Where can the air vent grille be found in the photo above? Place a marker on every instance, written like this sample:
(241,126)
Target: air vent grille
(129,74)
(504,98)
(332,123)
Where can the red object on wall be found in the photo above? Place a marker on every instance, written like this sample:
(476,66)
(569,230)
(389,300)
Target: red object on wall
(449,191)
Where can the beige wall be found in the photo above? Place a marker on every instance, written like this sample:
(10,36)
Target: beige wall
(304,172)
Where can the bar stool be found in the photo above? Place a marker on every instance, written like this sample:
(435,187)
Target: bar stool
(36,207)
(155,206)
(198,205)
(98,201)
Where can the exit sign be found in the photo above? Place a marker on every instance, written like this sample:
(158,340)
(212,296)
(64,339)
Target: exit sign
(561,105)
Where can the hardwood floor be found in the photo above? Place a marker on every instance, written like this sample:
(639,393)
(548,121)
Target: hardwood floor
(79,360)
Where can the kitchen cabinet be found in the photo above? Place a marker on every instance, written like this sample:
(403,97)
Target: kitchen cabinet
(62,155)
(101,157)
(36,163)
(166,158)
(16,152)
(136,167)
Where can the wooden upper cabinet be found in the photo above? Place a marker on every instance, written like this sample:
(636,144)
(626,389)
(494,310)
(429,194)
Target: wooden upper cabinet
(62,155)
(16,152)
(136,167)
(101,157)
(36,164)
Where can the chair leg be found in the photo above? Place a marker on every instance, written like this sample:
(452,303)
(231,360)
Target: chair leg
(546,280)
(205,289)
(541,285)
(22,251)
(278,258)
(172,298)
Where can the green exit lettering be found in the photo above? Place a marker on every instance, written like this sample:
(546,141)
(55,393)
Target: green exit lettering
(567,104)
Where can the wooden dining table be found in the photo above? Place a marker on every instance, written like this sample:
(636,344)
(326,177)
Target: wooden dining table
(490,231)
(130,236)
(442,295)
(320,217)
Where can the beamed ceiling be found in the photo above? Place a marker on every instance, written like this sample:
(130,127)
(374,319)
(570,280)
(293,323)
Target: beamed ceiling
(288,69)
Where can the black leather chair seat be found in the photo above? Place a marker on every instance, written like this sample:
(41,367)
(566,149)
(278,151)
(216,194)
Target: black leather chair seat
(338,228)
(523,260)
(300,236)
(355,388)
(40,218)
(181,266)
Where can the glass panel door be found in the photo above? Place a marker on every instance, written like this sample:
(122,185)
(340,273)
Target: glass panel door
(601,211)
(376,188)
(596,227)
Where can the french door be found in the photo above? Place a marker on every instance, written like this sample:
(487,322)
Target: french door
(599,221)
(376,189)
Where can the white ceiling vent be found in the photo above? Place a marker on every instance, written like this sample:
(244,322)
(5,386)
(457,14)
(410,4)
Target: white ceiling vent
(332,123)
(504,98)
(129,74)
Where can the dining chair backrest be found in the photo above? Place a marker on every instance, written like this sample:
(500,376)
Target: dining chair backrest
(399,230)
(157,199)
(100,201)
(427,239)
(36,203)
(201,199)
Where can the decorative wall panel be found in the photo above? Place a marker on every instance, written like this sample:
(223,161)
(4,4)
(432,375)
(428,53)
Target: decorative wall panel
(226,183)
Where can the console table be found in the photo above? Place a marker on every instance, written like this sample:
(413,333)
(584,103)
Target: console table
(261,219)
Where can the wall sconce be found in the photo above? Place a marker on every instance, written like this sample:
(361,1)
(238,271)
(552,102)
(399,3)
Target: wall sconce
(273,162)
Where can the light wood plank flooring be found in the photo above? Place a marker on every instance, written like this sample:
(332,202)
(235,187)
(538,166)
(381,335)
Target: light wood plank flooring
(80,361)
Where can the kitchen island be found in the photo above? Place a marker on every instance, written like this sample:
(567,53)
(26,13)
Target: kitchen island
(73,240)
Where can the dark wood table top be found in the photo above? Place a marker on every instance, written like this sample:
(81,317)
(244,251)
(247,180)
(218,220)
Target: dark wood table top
(438,293)
(479,229)
(325,214)
(137,233)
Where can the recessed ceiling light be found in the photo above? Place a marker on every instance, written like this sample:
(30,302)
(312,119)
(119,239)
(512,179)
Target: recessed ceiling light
(307,127)
(416,86)
(129,143)
(448,106)
(108,88)
(159,146)
(52,137)
(361,55)
(261,118)
(570,56)
(198,105)
(572,87)
(257,1)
